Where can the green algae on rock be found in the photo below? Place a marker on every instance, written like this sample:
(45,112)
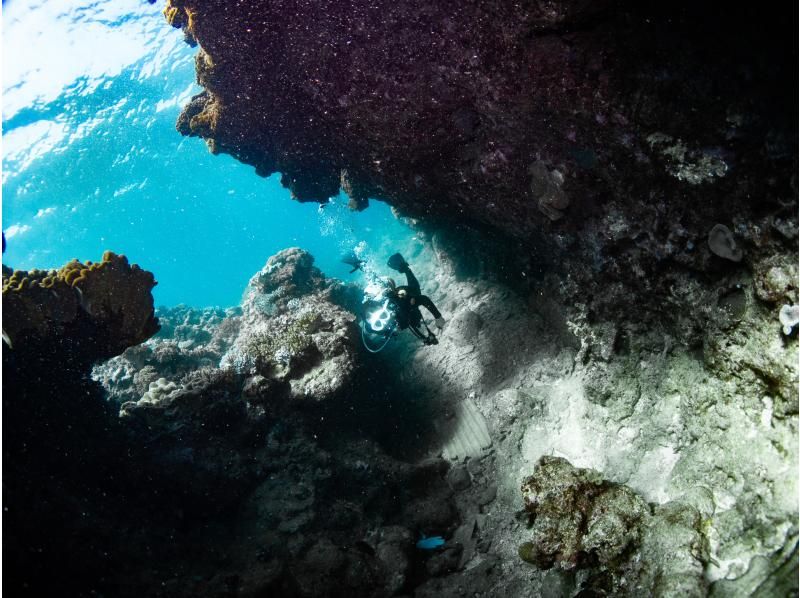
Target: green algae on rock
(292,329)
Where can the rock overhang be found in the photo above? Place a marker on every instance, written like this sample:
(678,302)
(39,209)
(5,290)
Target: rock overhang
(494,113)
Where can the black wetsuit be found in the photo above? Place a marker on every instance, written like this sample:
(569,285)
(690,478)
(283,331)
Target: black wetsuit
(409,302)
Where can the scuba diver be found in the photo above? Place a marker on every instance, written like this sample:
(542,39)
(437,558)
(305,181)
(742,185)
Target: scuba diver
(399,308)
(408,300)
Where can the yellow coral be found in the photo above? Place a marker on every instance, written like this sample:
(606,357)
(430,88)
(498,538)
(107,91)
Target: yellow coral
(32,302)
(175,15)
(179,16)
(113,293)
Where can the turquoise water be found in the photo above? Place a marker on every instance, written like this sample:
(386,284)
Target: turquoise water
(92,161)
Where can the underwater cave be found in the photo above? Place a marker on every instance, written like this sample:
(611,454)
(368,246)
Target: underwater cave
(399,298)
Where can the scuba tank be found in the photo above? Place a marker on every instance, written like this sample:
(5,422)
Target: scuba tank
(379,323)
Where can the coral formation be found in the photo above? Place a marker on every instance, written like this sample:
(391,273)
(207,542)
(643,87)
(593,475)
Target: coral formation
(580,520)
(286,276)
(789,317)
(692,166)
(60,454)
(292,331)
(111,295)
(190,339)
(775,278)
(290,338)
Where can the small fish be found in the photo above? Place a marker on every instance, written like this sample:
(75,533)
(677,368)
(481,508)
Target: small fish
(353,260)
(431,543)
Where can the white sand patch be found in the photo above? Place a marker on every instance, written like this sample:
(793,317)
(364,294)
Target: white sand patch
(565,430)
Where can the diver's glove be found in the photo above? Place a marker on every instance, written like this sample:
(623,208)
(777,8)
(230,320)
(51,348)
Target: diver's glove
(396,262)
(440,323)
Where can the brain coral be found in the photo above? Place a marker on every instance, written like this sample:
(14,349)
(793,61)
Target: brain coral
(112,295)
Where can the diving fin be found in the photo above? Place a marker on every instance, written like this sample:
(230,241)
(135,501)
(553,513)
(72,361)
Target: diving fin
(351,259)
(396,262)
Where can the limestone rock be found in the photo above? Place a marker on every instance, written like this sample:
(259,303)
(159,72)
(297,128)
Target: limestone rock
(579,520)
(572,113)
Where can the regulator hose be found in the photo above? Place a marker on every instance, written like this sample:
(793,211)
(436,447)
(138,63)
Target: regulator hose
(366,344)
